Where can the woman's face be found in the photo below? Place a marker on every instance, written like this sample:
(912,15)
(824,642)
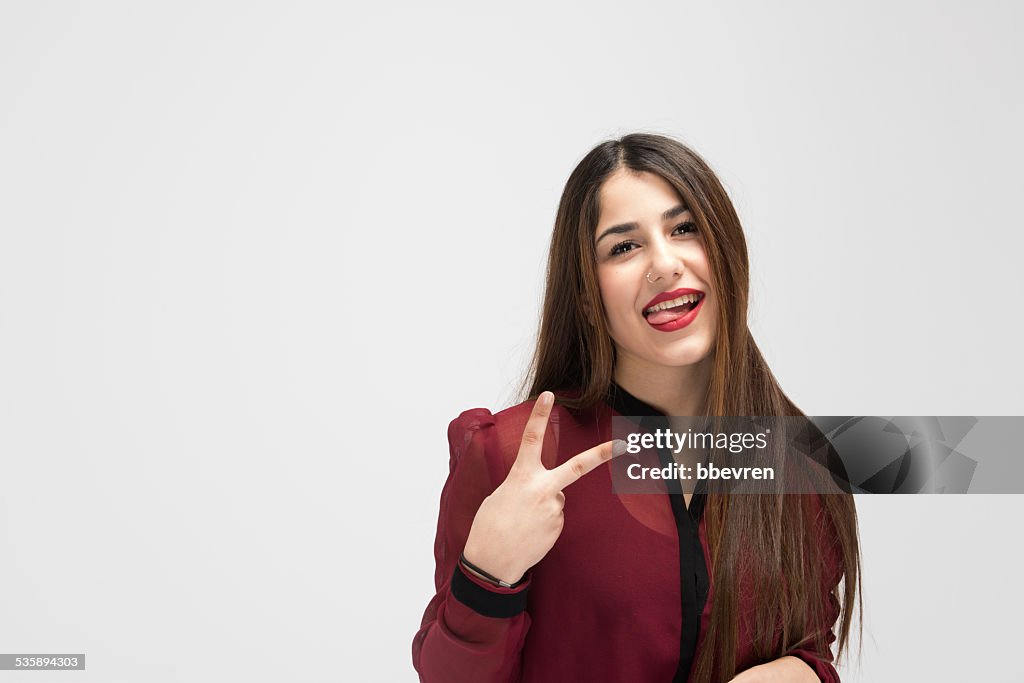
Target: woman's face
(668,319)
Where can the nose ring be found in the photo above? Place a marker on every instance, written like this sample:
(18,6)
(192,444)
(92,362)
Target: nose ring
(659,277)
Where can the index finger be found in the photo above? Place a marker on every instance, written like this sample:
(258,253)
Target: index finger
(533,436)
(575,467)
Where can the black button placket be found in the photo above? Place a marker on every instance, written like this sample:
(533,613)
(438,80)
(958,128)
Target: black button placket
(693,574)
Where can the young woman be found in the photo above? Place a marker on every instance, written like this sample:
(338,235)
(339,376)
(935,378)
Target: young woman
(543,572)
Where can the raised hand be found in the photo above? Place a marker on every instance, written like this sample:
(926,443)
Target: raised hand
(517,524)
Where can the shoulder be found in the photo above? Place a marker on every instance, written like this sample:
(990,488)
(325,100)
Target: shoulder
(470,421)
(494,429)
(477,432)
(480,442)
(475,420)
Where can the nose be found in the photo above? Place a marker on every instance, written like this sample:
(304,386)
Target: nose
(666,263)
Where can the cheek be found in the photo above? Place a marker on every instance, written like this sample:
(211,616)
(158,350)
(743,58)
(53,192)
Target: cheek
(699,266)
(614,294)
(606,283)
(711,319)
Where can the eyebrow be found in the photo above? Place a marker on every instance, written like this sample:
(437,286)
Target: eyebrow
(629,227)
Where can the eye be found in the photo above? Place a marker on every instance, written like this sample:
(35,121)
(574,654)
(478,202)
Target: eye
(622,248)
(689,227)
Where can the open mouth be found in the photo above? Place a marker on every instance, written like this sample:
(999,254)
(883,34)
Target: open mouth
(669,311)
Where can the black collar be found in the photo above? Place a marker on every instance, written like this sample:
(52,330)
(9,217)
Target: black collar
(626,403)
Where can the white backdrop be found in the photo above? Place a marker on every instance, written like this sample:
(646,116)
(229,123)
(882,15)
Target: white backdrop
(254,257)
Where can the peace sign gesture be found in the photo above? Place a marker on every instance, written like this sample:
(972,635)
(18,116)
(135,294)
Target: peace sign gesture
(517,525)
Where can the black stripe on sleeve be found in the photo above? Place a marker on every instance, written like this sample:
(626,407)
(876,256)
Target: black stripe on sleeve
(489,603)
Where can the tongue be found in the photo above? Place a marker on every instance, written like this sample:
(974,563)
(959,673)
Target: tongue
(669,314)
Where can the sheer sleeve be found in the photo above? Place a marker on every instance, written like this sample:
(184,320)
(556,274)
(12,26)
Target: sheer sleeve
(819,657)
(471,630)
(817,650)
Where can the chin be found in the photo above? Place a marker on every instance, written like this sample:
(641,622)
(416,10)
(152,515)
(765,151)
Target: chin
(682,357)
(683,361)
(694,348)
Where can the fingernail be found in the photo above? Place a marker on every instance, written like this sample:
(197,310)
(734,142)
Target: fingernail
(546,398)
(618,447)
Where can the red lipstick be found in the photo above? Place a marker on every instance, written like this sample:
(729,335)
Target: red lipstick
(665,321)
(668,296)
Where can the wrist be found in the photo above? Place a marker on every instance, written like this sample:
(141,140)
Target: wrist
(498,576)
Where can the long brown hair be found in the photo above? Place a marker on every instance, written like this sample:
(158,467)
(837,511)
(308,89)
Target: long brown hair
(772,535)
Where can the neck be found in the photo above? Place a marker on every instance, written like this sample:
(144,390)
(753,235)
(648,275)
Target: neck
(672,390)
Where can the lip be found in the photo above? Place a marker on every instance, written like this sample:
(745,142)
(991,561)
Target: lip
(668,296)
(680,323)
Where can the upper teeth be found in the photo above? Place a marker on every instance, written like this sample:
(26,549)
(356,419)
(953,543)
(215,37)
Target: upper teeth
(684,299)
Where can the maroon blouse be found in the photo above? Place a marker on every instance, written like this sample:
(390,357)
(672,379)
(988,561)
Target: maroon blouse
(625,593)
